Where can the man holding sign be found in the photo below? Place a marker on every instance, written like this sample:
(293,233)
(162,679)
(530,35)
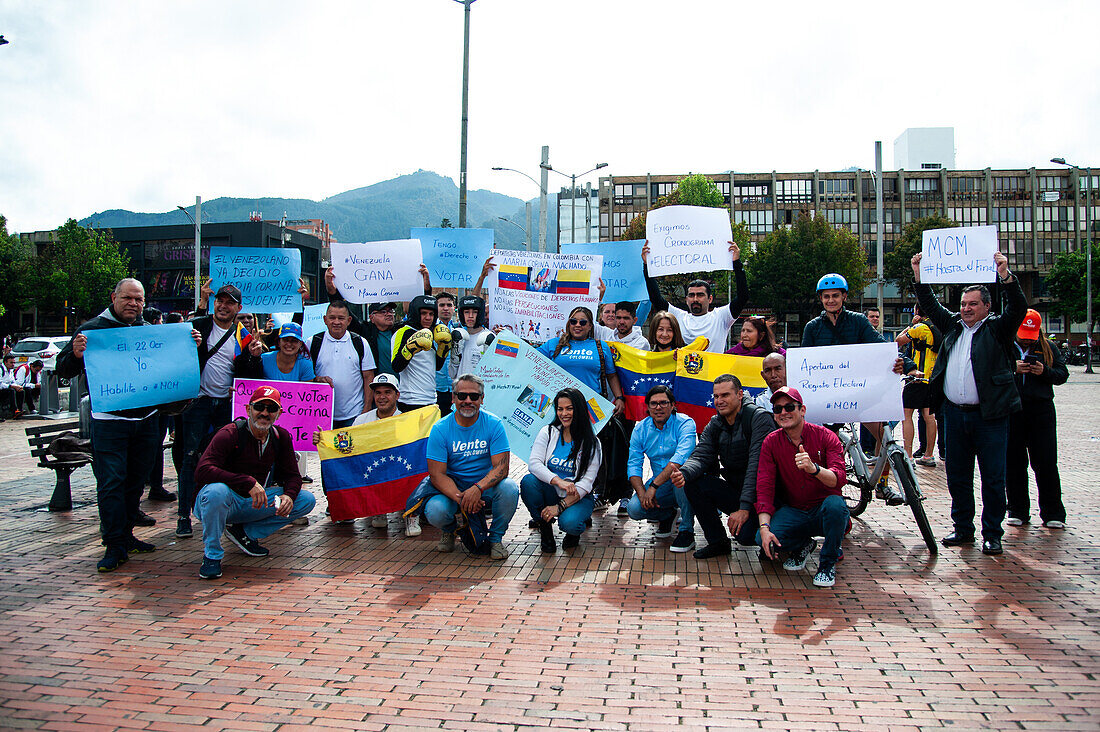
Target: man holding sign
(974,379)
(124,442)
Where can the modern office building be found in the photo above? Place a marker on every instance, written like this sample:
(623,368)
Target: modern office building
(1039,213)
(925,148)
(577,219)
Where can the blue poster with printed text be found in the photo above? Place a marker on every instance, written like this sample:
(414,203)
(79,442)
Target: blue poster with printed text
(622,268)
(454,256)
(267,278)
(141,367)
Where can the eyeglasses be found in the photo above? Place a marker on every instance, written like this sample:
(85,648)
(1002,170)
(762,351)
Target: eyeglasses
(577,321)
(467,396)
(787,407)
(270,407)
(660,405)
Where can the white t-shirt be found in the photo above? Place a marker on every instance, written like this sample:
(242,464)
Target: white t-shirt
(417,380)
(465,357)
(217,374)
(715,325)
(372,416)
(338,360)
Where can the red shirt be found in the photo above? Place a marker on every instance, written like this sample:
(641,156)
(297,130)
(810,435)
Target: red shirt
(240,467)
(778,477)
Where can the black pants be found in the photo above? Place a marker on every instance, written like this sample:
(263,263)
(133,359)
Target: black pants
(445,402)
(406,408)
(123,455)
(156,475)
(1033,437)
(709,495)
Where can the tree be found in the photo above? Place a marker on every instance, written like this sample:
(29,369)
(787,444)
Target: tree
(784,268)
(80,267)
(1066,284)
(897,263)
(445,223)
(15,258)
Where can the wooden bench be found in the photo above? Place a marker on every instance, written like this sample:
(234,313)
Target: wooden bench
(39,439)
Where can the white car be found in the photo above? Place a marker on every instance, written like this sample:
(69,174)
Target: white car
(45,348)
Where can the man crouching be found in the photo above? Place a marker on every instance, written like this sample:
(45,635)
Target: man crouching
(241,473)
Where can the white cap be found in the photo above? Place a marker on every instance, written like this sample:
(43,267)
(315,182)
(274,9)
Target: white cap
(385,379)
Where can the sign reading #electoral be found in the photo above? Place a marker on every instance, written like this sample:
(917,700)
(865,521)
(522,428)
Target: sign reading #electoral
(687,239)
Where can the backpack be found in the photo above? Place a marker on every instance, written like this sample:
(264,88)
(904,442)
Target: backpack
(473,531)
(318,339)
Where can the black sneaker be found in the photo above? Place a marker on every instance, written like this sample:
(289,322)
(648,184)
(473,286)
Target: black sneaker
(251,547)
(113,558)
(547,542)
(664,528)
(533,524)
(713,550)
(571,541)
(137,546)
(307,479)
(183,528)
(796,562)
(623,507)
(159,494)
(144,519)
(684,542)
(210,569)
(919,453)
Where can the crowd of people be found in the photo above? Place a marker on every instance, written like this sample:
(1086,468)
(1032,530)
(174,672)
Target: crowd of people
(980,383)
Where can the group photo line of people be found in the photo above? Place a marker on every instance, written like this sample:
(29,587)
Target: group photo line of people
(757,474)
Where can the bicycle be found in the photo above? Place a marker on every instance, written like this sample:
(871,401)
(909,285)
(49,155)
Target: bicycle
(863,474)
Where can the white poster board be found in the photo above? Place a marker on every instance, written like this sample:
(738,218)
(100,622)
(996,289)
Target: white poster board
(687,239)
(532,293)
(847,383)
(378,271)
(962,255)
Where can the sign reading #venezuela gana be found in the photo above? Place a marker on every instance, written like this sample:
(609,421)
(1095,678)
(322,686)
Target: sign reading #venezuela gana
(961,255)
(267,278)
(847,383)
(454,256)
(687,239)
(378,271)
(141,367)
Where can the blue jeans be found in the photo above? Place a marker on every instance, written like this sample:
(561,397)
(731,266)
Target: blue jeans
(217,505)
(538,495)
(794,527)
(204,417)
(969,437)
(668,498)
(503,497)
(122,452)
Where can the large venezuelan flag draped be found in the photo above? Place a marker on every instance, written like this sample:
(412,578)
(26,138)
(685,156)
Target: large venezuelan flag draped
(640,371)
(372,468)
(695,375)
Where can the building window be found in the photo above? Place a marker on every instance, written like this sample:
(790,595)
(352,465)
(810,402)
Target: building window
(748,194)
(836,190)
(759,222)
(798,190)
(662,189)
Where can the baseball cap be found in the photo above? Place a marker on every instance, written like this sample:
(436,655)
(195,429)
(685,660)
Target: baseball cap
(229,291)
(266,393)
(384,379)
(1029,329)
(788,392)
(375,307)
(291,330)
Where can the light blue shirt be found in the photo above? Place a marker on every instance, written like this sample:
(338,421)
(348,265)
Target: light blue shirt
(582,361)
(671,444)
(560,463)
(467,451)
(302,371)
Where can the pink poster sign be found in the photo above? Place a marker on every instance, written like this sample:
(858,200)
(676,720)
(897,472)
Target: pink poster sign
(306,406)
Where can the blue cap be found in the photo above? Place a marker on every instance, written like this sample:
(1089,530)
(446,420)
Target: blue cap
(291,330)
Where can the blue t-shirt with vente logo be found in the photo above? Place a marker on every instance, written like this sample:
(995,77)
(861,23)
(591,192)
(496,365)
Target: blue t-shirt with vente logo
(559,462)
(581,360)
(467,451)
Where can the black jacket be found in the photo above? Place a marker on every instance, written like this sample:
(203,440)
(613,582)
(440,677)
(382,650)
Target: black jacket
(992,353)
(1042,386)
(739,455)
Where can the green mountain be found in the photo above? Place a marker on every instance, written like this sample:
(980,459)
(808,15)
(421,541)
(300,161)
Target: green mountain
(385,210)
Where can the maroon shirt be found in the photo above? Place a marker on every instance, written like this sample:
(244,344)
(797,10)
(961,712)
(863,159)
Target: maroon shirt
(778,476)
(241,468)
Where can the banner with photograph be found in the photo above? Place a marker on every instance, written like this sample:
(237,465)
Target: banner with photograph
(531,293)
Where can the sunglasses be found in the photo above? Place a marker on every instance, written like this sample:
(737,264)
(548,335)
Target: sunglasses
(788,407)
(467,396)
(577,321)
(269,407)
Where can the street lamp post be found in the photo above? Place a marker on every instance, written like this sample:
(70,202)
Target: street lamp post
(879,233)
(526,232)
(465,113)
(542,205)
(1088,258)
(573,197)
(197,221)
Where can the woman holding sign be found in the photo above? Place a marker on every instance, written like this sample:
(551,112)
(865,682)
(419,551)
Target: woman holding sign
(565,458)
(585,358)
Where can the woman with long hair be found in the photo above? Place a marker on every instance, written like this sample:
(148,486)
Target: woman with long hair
(565,459)
(585,358)
(664,332)
(1032,432)
(756,339)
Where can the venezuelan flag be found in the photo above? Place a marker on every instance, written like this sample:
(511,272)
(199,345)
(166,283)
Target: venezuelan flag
(372,468)
(695,375)
(512,277)
(639,371)
(574,281)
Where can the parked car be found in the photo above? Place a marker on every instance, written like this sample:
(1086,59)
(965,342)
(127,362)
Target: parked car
(45,348)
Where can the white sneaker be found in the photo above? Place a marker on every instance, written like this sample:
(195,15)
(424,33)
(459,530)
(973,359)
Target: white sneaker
(380,521)
(1014,521)
(1054,524)
(412,526)
(301,521)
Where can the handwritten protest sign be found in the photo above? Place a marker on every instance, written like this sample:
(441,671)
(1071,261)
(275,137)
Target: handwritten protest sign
(307,406)
(622,268)
(688,239)
(520,384)
(958,256)
(454,256)
(141,367)
(267,278)
(847,383)
(312,319)
(378,271)
(532,293)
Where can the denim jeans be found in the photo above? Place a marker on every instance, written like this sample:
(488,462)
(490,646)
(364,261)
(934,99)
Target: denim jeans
(503,497)
(204,417)
(794,527)
(538,495)
(122,452)
(969,437)
(709,495)
(668,498)
(218,505)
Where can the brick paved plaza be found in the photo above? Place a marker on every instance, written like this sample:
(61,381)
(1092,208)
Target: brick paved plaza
(358,628)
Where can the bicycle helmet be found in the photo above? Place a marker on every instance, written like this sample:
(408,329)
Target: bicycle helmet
(832,281)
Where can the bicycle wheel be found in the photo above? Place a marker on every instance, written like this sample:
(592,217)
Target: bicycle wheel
(904,472)
(856,494)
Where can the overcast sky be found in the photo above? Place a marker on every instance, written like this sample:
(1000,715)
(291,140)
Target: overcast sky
(144,105)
